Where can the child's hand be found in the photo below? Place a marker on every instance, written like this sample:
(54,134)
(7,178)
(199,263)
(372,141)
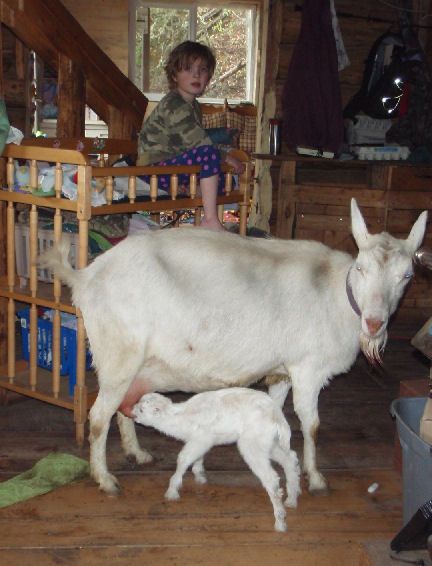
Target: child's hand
(236,164)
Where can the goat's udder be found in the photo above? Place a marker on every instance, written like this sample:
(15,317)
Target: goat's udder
(136,390)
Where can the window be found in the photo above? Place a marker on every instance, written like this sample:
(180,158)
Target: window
(155,28)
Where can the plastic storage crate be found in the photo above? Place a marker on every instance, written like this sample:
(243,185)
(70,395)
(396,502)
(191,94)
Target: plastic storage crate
(45,241)
(416,454)
(68,346)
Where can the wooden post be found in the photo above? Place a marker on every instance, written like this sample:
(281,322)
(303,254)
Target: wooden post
(132,188)
(11,284)
(71,99)
(3,302)
(56,337)
(83,216)
(119,125)
(286,202)
(174,186)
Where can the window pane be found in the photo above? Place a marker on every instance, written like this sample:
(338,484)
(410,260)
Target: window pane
(165,29)
(225,30)
(229,32)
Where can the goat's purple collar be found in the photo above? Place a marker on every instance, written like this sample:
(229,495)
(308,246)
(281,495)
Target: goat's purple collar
(350,295)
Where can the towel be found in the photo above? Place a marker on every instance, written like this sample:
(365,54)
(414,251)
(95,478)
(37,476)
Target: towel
(53,471)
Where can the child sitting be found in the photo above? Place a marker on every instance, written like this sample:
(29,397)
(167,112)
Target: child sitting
(173,133)
(238,414)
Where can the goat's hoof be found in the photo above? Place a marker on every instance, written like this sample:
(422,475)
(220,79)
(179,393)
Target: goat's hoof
(280,526)
(201,479)
(110,486)
(139,458)
(291,502)
(143,457)
(318,484)
(320,491)
(172,495)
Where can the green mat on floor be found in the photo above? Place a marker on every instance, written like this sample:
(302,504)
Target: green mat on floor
(53,471)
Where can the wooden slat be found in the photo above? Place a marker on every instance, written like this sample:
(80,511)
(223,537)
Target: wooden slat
(412,178)
(40,153)
(422,200)
(340,195)
(71,98)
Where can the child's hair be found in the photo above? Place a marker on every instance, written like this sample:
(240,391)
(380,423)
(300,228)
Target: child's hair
(182,57)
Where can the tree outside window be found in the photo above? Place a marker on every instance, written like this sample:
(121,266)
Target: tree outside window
(230,32)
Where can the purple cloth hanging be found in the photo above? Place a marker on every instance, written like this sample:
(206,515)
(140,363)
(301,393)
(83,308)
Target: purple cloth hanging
(311,98)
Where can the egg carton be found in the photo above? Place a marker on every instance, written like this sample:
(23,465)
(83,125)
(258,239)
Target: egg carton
(381,152)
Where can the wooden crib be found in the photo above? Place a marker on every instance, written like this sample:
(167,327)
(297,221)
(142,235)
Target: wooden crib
(93,160)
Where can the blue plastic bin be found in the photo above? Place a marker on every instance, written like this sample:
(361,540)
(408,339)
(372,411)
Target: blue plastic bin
(68,346)
(416,454)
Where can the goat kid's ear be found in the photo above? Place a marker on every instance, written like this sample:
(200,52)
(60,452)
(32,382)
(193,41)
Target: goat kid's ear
(417,233)
(358,226)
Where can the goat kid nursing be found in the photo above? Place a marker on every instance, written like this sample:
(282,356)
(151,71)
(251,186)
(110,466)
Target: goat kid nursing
(249,418)
(195,310)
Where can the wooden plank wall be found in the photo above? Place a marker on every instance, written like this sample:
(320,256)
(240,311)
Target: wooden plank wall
(15,80)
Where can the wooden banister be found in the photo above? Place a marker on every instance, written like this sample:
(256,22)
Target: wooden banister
(49,29)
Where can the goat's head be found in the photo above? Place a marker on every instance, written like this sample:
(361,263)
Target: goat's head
(150,408)
(379,276)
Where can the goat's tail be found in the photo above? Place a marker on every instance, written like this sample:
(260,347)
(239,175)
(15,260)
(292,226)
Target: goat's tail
(56,259)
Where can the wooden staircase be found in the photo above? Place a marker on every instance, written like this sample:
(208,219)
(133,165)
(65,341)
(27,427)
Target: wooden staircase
(86,75)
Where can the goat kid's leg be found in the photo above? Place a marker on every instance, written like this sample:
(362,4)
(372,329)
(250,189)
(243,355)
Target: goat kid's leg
(290,464)
(259,463)
(191,452)
(306,408)
(199,471)
(129,441)
(279,390)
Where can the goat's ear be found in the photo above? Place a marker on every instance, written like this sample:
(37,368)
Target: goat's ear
(358,225)
(417,233)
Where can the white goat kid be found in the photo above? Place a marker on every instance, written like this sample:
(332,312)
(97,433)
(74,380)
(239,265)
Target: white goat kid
(249,418)
(196,310)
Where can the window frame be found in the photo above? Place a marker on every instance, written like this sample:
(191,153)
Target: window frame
(252,60)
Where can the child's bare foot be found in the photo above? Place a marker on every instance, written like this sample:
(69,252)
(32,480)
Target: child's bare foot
(212,224)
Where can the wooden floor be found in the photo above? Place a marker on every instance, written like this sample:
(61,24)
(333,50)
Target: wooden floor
(229,521)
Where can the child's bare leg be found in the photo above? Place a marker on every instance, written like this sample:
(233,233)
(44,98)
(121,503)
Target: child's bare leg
(209,190)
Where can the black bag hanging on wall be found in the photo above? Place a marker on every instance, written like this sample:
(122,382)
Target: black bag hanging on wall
(414,128)
(396,64)
(380,91)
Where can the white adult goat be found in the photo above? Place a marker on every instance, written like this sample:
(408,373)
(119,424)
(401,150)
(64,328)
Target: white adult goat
(196,310)
(237,414)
